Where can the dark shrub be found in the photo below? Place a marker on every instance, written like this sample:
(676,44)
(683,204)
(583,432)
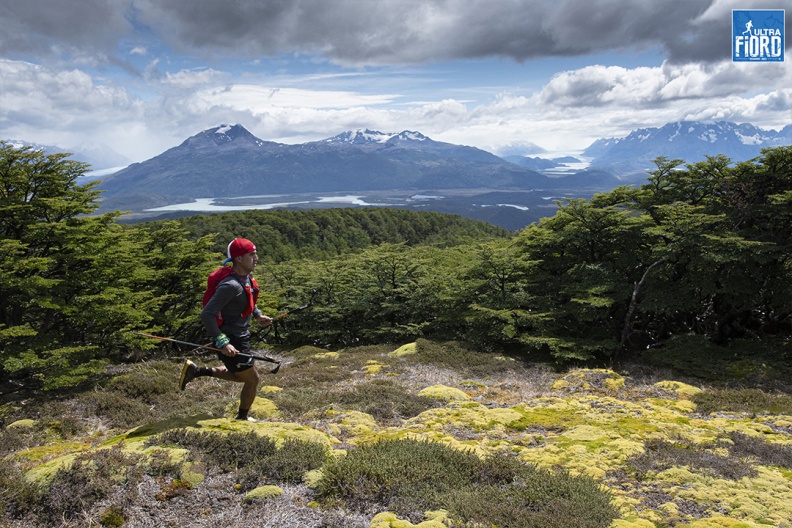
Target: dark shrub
(256,458)
(769,454)
(90,479)
(411,476)
(660,455)
(752,401)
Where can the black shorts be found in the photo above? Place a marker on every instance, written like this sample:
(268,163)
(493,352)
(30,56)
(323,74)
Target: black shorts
(236,363)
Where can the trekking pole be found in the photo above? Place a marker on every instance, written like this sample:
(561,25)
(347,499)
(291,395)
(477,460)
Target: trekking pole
(207,347)
(284,314)
(298,309)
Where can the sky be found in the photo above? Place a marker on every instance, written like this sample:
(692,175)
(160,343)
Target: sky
(507,76)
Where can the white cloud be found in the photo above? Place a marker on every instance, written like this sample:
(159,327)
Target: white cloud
(600,86)
(262,99)
(192,78)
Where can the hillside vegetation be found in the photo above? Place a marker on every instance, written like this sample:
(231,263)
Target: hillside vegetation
(324,233)
(431,435)
(691,272)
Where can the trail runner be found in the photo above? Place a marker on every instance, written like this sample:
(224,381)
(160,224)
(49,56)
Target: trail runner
(234,302)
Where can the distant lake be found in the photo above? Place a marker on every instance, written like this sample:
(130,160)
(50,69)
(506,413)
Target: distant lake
(511,209)
(244,203)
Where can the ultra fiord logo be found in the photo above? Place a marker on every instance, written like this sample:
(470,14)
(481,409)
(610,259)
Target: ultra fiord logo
(758,35)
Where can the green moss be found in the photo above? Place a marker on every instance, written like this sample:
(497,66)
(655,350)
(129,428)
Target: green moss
(441,392)
(682,390)
(405,350)
(327,355)
(391,520)
(263,493)
(352,423)
(589,380)
(22,424)
(277,431)
(373,367)
(262,409)
(312,478)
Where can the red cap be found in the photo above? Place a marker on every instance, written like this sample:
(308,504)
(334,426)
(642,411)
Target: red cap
(239,247)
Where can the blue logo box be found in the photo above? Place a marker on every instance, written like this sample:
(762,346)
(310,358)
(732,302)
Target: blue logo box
(758,35)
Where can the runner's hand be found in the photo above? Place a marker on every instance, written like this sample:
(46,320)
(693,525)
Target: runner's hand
(229,350)
(263,320)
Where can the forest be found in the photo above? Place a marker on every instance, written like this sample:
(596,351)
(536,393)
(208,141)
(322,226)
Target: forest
(691,269)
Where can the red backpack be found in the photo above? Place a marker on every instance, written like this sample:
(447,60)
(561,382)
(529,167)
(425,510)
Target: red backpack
(217,276)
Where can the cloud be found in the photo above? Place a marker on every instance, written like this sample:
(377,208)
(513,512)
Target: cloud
(50,28)
(601,86)
(186,79)
(258,99)
(355,32)
(419,31)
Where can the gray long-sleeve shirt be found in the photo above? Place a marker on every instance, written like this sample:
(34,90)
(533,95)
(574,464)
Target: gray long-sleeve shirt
(231,299)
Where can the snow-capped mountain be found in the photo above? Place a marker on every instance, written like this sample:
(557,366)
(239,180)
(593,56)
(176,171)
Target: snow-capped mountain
(690,141)
(359,137)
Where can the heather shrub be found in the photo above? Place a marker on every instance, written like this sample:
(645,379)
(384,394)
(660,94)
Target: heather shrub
(411,476)
(228,451)
(119,410)
(288,464)
(383,399)
(91,478)
(455,355)
(17,495)
(752,401)
(765,452)
(660,455)
(294,402)
(147,385)
(256,458)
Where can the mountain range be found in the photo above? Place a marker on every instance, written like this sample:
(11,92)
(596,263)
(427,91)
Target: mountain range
(229,162)
(690,141)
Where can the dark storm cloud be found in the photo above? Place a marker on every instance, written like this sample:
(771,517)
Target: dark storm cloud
(44,27)
(413,31)
(359,32)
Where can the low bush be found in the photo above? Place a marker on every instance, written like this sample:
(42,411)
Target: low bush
(456,356)
(256,458)
(383,399)
(147,385)
(411,476)
(91,478)
(119,410)
(295,402)
(17,495)
(766,453)
(288,464)
(752,401)
(228,451)
(660,455)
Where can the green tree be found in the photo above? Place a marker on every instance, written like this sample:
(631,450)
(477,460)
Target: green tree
(75,286)
(67,282)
